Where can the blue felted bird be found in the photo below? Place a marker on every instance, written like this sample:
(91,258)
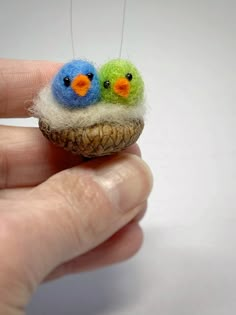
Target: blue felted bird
(76,85)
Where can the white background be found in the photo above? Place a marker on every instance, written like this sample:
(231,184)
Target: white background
(186,51)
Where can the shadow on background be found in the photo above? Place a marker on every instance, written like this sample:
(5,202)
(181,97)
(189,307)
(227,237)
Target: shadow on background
(180,270)
(97,292)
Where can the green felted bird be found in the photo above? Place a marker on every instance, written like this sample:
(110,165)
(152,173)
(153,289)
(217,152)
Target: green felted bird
(121,83)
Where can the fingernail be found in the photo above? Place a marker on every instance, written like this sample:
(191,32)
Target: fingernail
(126,179)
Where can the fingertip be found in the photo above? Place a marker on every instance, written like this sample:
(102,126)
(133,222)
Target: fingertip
(20,82)
(126,179)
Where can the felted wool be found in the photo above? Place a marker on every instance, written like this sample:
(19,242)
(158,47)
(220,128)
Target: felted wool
(76,85)
(121,83)
(59,117)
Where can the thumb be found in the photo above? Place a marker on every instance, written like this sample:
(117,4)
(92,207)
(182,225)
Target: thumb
(73,212)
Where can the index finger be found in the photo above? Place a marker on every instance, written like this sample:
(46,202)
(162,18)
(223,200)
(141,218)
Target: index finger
(20,81)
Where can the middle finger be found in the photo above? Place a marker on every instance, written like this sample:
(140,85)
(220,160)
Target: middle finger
(28,159)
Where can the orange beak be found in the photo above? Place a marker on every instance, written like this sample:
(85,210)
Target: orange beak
(122,87)
(81,85)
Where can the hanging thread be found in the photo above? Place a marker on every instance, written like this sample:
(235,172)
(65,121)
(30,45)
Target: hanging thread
(71,29)
(123,27)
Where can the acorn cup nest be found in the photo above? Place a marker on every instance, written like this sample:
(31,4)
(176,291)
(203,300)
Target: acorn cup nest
(96,140)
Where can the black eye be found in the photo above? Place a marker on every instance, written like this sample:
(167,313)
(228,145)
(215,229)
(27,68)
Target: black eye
(66,81)
(90,76)
(129,76)
(106,84)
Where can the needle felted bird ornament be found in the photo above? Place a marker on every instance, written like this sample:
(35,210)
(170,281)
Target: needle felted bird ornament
(76,85)
(92,113)
(121,83)
(122,96)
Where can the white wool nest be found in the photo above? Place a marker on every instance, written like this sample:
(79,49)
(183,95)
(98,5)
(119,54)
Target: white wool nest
(59,117)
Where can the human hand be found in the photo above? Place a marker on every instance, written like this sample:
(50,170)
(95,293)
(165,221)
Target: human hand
(59,213)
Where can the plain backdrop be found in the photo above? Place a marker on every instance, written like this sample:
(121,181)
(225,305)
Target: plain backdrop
(186,52)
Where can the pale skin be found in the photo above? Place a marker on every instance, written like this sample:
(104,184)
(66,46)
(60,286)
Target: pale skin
(59,214)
